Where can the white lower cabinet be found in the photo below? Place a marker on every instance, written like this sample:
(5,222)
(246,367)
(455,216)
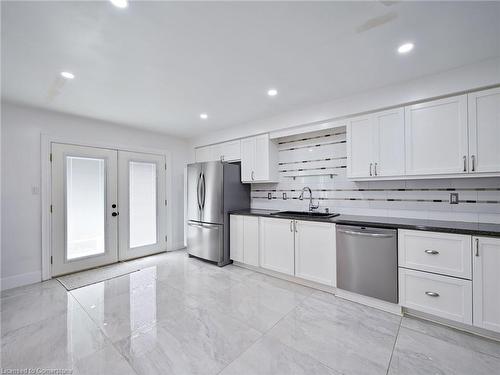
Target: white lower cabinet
(444,296)
(244,239)
(315,257)
(277,245)
(304,249)
(486,282)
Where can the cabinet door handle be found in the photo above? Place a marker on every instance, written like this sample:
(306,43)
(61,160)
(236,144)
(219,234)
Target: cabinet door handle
(253,175)
(371,164)
(295,226)
(432,294)
(291,225)
(465,163)
(477,246)
(375,168)
(473,158)
(432,252)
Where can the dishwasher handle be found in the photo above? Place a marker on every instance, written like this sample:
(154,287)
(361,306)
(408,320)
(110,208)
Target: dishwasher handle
(365,234)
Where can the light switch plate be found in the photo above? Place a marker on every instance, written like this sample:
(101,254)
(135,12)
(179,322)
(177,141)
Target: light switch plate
(453,198)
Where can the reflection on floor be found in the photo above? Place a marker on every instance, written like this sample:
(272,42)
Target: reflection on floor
(183,316)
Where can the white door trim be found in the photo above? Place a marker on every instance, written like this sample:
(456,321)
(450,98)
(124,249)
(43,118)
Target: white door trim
(46,187)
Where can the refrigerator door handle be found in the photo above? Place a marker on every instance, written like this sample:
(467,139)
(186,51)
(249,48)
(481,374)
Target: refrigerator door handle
(203,191)
(198,183)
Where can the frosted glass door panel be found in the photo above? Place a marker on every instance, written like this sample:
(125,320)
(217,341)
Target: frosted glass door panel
(142,201)
(85,207)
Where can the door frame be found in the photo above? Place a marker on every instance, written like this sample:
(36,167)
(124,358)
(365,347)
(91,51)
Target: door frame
(46,188)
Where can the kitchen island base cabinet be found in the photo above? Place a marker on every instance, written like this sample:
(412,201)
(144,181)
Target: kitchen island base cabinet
(315,252)
(486,282)
(277,245)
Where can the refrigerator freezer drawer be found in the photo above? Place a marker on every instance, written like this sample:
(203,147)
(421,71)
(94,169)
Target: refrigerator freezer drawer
(205,241)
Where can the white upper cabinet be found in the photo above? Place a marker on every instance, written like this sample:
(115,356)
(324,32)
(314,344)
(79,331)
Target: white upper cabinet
(259,159)
(227,151)
(360,147)
(486,283)
(203,154)
(484,131)
(436,137)
(375,145)
(389,138)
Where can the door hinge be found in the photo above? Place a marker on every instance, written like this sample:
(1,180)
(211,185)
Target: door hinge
(50,208)
(51,260)
(50,157)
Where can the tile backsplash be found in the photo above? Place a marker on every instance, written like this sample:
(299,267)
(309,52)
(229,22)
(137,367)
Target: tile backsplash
(318,160)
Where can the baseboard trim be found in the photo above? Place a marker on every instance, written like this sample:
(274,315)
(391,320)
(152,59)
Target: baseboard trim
(21,280)
(177,246)
(369,301)
(293,279)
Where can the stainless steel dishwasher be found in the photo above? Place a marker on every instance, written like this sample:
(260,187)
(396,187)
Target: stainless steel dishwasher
(367,261)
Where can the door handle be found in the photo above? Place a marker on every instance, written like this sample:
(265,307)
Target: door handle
(291,225)
(253,175)
(203,191)
(432,252)
(295,226)
(203,225)
(477,246)
(465,163)
(473,159)
(354,233)
(371,164)
(198,191)
(115,214)
(432,294)
(375,169)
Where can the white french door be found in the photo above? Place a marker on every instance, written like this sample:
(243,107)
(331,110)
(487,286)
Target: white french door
(107,205)
(141,197)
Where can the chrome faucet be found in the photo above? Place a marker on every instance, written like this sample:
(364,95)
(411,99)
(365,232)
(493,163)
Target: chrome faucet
(311,205)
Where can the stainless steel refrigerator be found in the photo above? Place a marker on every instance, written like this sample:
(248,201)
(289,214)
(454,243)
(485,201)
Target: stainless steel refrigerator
(213,190)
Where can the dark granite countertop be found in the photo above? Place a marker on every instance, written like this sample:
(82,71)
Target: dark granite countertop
(461,227)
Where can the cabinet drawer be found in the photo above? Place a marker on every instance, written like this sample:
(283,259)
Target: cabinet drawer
(443,253)
(443,296)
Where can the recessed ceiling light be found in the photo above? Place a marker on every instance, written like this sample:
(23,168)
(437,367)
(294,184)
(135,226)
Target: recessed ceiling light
(405,48)
(203,116)
(67,75)
(272,92)
(119,3)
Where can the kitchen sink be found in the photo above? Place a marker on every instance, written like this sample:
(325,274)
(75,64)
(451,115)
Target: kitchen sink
(305,214)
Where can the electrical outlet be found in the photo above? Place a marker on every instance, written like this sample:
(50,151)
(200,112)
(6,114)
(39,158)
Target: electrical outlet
(453,198)
(269,196)
(284,197)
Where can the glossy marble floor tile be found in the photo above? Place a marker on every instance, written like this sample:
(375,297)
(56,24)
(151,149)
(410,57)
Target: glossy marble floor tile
(345,336)
(180,315)
(55,342)
(24,306)
(453,336)
(271,357)
(105,361)
(417,353)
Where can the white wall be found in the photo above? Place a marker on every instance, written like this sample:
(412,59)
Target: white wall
(20,156)
(465,78)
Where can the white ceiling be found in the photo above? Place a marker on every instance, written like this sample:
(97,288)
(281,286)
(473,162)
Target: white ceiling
(158,65)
